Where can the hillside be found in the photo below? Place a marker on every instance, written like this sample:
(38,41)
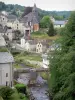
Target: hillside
(18,11)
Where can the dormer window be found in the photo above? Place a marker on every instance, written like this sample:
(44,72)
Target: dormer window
(3,18)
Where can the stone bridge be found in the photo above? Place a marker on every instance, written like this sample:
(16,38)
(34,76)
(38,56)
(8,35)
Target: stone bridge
(33,73)
(28,70)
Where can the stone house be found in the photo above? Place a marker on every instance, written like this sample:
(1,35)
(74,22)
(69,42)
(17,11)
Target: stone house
(33,45)
(6,69)
(15,24)
(26,24)
(7,32)
(3,19)
(60,23)
(31,20)
(28,45)
(2,41)
(41,47)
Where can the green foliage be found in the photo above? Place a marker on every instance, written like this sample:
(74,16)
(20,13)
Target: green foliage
(6,93)
(58,15)
(3,49)
(71,24)
(60,31)
(45,22)
(51,31)
(22,96)
(18,11)
(21,88)
(62,65)
(2,6)
(37,33)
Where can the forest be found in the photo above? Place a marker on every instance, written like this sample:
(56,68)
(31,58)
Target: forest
(18,11)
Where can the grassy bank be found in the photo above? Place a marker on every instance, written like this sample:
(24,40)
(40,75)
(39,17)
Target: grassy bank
(17,65)
(22,57)
(41,35)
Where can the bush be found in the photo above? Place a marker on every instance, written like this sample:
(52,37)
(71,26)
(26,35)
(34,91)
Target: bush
(60,31)
(21,88)
(51,31)
(25,53)
(6,93)
(3,49)
(22,96)
(37,33)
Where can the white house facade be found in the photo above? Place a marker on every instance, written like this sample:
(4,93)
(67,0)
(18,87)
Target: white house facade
(6,69)
(39,48)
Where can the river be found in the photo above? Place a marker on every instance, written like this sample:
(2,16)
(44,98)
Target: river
(40,91)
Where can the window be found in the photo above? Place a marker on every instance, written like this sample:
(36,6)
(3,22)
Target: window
(6,83)
(38,45)
(6,74)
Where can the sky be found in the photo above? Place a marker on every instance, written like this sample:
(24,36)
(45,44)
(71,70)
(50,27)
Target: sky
(49,5)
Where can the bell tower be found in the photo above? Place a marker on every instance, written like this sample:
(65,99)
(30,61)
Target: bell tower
(34,8)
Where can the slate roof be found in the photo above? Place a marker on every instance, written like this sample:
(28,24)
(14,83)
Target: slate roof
(11,18)
(34,20)
(59,22)
(31,17)
(1,14)
(6,57)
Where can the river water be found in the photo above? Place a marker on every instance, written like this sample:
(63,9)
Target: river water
(40,91)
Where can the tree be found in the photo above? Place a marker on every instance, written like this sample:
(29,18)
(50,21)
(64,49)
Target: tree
(71,24)
(51,31)
(17,34)
(2,6)
(21,88)
(6,93)
(45,22)
(62,65)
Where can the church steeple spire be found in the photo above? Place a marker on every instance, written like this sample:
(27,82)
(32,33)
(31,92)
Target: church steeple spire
(34,8)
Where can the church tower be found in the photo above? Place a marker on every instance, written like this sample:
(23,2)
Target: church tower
(35,18)
(34,8)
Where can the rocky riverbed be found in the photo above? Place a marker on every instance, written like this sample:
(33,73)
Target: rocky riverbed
(39,91)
